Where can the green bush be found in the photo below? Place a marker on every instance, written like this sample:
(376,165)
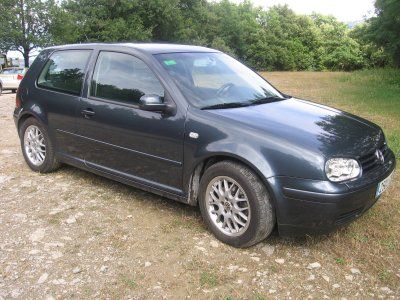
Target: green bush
(273,39)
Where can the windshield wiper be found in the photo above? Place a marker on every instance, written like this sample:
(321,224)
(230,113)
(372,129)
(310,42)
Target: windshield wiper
(227,105)
(247,103)
(267,100)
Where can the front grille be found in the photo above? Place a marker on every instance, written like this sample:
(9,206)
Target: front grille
(348,216)
(370,161)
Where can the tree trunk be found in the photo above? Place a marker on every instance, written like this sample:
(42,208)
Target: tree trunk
(397,58)
(26,57)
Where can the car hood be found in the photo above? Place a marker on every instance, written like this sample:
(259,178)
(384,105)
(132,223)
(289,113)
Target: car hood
(308,125)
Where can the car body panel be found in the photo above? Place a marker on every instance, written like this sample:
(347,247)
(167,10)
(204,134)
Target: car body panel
(325,131)
(289,137)
(11,81)
(324,206)
(56,109)
(144,146)
(126,139)
(286,142)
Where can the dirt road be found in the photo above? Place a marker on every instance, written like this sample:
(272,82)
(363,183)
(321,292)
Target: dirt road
(72,234)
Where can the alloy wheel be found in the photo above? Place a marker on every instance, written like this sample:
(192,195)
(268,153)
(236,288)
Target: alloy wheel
(228,206)
(34,145)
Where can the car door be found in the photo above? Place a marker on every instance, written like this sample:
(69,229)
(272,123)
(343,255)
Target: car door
(57,95)
(119,138)
(9,78)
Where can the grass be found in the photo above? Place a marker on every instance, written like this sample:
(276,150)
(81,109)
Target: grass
(129,282)
(372,243)
(340,261)
(377,94)
(208,279)
(183,221)
(373,94)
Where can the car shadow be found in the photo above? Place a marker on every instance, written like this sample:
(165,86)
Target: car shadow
(192,213)
(6,93)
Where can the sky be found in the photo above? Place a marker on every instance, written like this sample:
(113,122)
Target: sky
(344,10)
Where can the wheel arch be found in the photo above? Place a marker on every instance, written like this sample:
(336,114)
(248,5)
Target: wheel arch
(201,166)
(26,115)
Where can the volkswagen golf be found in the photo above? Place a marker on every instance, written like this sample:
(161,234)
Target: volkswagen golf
(195,125)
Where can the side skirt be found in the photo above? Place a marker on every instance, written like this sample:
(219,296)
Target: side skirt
(81,164)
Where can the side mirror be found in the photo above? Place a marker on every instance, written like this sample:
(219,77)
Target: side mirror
(152,103)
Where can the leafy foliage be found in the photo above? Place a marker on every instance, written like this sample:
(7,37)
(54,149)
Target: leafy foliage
(276,39)
(273,39)
(384,29)
(25,25)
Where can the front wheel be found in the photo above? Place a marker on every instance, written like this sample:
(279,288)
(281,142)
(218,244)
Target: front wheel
(235,204)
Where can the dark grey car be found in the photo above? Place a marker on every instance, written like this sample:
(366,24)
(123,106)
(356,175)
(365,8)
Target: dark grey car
(195,125)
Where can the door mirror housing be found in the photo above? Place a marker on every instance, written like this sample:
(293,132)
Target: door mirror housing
(152,103)
(155,103)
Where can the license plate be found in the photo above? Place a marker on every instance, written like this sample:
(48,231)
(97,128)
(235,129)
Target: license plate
(383,185)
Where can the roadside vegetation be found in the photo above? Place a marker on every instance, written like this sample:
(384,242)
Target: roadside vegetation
(273,39)
(376,94)
(372,242)
(108,240)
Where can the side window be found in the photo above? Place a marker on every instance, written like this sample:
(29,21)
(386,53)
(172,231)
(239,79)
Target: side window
(65,71)
(123,77)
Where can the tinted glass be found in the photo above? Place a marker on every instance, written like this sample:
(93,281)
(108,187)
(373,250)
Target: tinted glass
(208,79)
(65,71)
(123,77)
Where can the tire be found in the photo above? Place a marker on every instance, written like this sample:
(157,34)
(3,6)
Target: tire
(49,162)
(258,209)
(1,89)
(13,91)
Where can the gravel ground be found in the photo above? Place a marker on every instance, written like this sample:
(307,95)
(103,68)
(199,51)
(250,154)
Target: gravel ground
(72,234)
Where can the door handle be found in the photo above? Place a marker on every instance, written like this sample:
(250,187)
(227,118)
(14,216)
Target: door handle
(87,113)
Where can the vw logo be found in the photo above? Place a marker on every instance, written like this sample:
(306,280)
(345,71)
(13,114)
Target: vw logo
(379,156)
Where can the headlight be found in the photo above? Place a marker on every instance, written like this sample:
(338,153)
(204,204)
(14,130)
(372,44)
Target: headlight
(340,169)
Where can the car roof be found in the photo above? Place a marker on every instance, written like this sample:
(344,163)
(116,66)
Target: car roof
(151,48)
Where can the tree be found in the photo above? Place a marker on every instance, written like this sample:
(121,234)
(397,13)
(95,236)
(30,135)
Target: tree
(385,28)
(25,25)
(339,51)
(273,39)
(374,56)
(284,41)
(77,21)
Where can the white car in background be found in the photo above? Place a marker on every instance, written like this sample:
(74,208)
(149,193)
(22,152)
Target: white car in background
(10,78)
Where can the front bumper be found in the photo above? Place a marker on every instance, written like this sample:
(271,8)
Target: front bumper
(306,206)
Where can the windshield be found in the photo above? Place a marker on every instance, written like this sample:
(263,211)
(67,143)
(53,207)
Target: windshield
(215,80)
(11,71)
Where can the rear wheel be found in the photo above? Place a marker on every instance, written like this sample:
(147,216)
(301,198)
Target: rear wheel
(1,89)
(235,204)
(14,91)
(37,147)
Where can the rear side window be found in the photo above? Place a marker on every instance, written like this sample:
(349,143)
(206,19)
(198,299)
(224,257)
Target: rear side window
(65,71)
(123,77)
